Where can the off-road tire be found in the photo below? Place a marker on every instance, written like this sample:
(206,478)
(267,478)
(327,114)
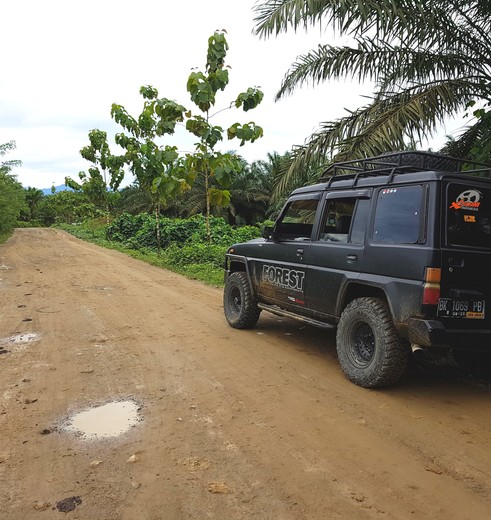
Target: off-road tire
(370,352)
(239,304)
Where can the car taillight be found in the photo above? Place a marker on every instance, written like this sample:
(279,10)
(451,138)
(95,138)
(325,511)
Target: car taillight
(431,287)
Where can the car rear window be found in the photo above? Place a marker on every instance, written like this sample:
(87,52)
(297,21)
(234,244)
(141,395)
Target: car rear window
(399,215)
(468,216)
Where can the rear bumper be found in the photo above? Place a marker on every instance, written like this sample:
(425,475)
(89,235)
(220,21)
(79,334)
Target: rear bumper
(432,333)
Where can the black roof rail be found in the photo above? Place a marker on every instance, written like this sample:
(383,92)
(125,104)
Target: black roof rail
(395,163)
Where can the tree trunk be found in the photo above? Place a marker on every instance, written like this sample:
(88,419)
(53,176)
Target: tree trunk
(157,226)
(207,217)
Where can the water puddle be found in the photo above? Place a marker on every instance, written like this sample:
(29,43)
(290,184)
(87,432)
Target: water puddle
(109,420)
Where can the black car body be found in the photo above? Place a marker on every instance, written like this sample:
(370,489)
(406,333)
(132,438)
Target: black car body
(406,235)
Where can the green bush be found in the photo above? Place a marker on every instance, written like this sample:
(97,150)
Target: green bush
(137,231)
(196,254)
(126,226)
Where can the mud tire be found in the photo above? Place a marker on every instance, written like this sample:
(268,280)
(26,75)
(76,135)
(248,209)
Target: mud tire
(239,304)
(370,352)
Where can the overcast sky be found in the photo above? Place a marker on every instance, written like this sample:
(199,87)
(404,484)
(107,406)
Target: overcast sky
(65,62)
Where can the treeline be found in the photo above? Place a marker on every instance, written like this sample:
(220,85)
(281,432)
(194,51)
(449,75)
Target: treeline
(252,200)
(12,195)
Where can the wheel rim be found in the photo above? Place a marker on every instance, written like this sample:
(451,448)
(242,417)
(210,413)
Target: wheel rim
(363,345)
(235,300)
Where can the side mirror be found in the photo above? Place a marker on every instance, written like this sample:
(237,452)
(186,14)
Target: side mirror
(267,232)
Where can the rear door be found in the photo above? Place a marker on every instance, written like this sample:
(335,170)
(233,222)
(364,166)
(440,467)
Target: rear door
(466,255)
(336,254)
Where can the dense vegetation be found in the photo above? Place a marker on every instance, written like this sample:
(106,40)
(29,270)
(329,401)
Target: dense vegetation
(186,248)
(12,196)
(125,220)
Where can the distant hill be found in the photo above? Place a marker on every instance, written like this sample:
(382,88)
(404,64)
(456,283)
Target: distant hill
(61,187)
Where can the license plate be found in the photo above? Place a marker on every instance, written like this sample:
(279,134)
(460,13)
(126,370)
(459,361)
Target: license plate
(448,308)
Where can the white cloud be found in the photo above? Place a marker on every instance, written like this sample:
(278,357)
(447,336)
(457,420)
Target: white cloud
(69,61)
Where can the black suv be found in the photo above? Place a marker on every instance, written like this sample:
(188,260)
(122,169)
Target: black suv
(392,250)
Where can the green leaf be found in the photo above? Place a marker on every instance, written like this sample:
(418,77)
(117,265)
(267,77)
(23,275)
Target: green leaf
(217,50)
(201,91)
(149,92)
(218,80)
(220,198)
(247,132)
(249,99)
(197,126)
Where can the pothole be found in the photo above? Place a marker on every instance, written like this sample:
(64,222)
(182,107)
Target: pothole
(108,420)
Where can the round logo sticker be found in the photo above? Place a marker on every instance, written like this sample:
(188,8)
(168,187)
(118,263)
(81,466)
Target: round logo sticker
(469,199)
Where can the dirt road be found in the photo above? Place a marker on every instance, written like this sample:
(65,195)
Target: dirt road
(233,424)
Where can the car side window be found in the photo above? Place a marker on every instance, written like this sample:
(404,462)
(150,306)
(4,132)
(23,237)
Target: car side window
(337,219)
(298,219)
(398,215)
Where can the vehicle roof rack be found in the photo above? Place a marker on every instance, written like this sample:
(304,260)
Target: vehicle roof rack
(395,163)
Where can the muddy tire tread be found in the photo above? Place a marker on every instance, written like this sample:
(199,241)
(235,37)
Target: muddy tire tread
(391,354)
(248,315)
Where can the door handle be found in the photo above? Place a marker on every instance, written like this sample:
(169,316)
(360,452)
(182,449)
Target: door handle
(299,252)
(351,258)
(456,262)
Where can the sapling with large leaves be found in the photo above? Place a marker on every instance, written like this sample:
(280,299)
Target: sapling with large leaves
(106,173)
(157,167)
(203,88)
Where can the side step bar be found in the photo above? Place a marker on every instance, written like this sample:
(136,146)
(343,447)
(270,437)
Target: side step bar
(288,314)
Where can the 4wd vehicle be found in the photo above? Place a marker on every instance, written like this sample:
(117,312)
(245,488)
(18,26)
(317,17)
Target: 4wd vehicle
(394,251)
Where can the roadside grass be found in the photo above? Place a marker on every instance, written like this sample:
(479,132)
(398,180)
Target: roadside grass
(204,271)
(4,237)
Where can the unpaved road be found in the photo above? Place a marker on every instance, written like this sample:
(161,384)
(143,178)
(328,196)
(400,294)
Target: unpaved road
(235,424)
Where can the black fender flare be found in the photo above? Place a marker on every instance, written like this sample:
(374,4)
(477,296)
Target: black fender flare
(243,260)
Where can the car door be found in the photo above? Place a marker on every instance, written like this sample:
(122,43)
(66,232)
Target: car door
(279,271)
(336,253)
(466,256)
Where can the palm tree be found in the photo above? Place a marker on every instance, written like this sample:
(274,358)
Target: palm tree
(33,200)
(134,200)
(250,194)
(429,59)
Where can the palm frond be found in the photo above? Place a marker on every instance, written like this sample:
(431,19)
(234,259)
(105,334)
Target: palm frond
(275,16)
(462,145)
(377,61)
(415,21)
(389,122)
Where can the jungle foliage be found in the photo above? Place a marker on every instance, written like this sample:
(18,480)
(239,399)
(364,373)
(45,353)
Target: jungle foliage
(12,196)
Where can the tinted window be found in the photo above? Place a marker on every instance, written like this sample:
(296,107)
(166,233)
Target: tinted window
(298,219)
(468,216)
(337,220)
(398,216)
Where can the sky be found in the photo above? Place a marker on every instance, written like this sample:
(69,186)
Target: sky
(65,62)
